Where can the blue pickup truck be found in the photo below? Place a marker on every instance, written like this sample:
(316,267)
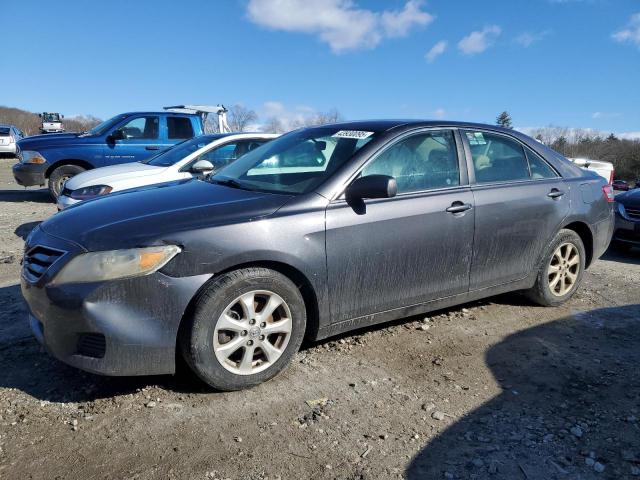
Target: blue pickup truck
(128,137)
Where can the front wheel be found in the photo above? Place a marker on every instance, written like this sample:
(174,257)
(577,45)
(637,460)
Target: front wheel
(246,327)
(61,175)
(561,269)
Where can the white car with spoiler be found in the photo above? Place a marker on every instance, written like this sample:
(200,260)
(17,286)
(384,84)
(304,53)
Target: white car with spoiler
(196,157)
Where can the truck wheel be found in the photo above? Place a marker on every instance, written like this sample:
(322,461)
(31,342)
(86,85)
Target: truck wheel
(561,269)
(61,175)
(246,327)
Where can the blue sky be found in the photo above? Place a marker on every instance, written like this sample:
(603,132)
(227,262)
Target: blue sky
(571,63)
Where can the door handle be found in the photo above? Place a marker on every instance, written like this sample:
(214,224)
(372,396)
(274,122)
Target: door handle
(152,147)
(459,207)
(555,193)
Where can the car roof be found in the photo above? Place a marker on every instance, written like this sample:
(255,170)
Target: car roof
(388,124)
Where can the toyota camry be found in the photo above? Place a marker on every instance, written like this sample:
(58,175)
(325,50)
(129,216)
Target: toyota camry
(321,231)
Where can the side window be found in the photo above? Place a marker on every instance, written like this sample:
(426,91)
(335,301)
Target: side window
(141,128)
(497,158)
(420,162)
(539,168)
(222,156)
(179,128)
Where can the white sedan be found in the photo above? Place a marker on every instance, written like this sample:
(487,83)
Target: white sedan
(197,157)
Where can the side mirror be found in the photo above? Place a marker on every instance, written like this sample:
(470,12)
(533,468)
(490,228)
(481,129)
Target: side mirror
(117,135)
(202,166)
(372,186)
(61,116)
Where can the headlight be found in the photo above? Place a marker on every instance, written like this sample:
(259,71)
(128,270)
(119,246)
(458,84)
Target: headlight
(30,156)
(101,266)
(85,193)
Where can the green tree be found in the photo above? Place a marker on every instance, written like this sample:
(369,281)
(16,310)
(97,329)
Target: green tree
(504,120)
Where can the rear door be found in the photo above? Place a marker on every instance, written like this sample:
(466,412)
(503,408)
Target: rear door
(141,139)
(409,249)
(520,202)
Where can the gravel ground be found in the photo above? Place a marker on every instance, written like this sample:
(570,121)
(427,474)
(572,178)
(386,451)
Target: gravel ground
(493,389)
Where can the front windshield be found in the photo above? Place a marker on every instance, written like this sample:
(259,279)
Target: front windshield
(180,151)
(106,125)
(295,163)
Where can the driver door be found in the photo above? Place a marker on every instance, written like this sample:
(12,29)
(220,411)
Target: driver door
(140,140)
(408,249)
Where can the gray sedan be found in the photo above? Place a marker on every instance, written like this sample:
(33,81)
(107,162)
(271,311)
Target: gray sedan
(321,231)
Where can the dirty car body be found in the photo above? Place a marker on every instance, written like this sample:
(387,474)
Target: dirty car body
(453,234)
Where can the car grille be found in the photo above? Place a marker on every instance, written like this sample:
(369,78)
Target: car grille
(633,213)
(91,345)
(37,261)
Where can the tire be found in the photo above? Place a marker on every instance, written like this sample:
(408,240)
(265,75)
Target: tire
(549,289)
(61,175)
(237,358)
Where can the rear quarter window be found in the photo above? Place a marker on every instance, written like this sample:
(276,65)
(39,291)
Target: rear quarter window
(179,128)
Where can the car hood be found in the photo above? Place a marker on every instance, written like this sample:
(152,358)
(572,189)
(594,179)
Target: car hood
(113,174)
(156,214)
(630,199)
(54,140)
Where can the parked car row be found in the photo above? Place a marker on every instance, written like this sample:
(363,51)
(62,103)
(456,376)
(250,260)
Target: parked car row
(199,156)
(316,232)
(9,137)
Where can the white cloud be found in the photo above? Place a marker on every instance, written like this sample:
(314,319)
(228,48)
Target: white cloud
(527,39)
(440,113)
(602,115)
(478,41)
(339,23)
(289,117)
(630,135)
(437,50)
(631,33)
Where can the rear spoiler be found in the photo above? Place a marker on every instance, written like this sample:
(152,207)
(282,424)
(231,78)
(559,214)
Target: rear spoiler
(204,111)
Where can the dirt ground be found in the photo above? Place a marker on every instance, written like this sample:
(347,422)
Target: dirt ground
(494,389)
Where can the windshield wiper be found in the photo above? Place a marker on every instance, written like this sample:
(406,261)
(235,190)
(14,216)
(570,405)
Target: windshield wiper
(230,182)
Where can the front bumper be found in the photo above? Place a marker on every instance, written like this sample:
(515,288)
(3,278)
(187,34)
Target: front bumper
(65,201)
(121,327)
(30,174)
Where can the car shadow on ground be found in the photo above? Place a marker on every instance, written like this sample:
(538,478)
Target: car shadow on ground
(40,196)
(569,407)
(631,256)
(29,368)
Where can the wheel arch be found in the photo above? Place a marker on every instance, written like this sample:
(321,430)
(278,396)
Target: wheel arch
(586,235)
(296,276)
(70,161)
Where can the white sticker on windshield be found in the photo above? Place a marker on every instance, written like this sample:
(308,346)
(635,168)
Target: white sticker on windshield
(476,138)
(358,134)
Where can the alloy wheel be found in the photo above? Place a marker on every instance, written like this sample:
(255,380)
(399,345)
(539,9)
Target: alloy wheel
(563,269)
(252,332)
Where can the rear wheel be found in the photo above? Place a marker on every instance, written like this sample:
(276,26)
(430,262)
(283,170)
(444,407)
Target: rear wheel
(61,175)
(246,327)
(561,269)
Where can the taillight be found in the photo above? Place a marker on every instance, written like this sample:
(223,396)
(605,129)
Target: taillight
(608,193)
(12,140)
(611,177)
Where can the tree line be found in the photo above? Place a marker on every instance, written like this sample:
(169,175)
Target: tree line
(624,154)
(30,122)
